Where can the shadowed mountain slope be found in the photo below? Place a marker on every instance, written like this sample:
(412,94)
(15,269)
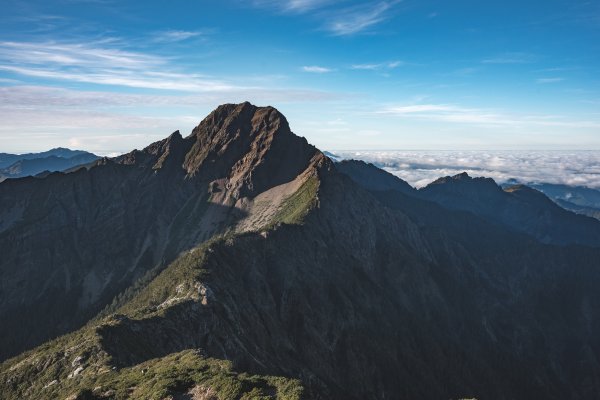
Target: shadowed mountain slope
(519,207)
(325,286)
(71,242)
(372,178)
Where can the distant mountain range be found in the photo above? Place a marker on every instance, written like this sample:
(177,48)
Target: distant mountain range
(240,262)
(579,199)
(58,159)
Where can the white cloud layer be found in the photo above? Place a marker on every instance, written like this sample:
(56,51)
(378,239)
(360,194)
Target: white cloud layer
(578,168)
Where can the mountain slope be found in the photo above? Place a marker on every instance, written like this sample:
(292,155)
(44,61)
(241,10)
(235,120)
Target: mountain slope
(578,209)
(518,207)
(372,178)
(579,195)
(578,199)
(333,290)
(78,239)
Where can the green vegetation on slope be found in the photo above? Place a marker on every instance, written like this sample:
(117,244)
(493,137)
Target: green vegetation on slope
(178,281)
(76,365)
(176,374)
(295,207)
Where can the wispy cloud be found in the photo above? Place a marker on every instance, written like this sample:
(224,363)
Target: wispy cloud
(511,58)
(378,66)
(97,63)
(37,97)
(296,6)
(177,36)
(359,18)
(463,115)
(336,17)
(549,80)
(74,54)
(316,69)
(419,109)
(131,78)
(47,115)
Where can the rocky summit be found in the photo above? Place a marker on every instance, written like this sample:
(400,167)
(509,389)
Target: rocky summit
(240,262)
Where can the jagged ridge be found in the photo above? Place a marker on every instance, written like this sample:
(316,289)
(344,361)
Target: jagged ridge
(105,226)
(373,293)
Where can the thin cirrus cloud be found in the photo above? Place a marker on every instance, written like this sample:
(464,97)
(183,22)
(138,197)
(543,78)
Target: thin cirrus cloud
(171,36)
(337,19)
(38,97)
(360,67)
(79,54)
(359,18)
(294,6)
(316,69)
(464,115)
(95,64)
(377,66)
(98,64)
(133,79)
(511,58)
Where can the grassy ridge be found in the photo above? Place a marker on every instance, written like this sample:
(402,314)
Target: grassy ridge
(295,207)
(75,366)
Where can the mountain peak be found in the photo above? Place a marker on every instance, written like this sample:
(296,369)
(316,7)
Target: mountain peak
(229,120)
(463,179)
(252,146)
(248,149)
(530,194)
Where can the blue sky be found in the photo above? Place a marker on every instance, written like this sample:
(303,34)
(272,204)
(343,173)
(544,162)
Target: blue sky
(109,76)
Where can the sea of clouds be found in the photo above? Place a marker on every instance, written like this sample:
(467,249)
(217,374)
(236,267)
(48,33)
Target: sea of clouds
(574,168)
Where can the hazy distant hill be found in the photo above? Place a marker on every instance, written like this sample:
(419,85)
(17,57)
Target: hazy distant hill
(240,262)
(7,159)
(518,207)
(579,199)
(59,159)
